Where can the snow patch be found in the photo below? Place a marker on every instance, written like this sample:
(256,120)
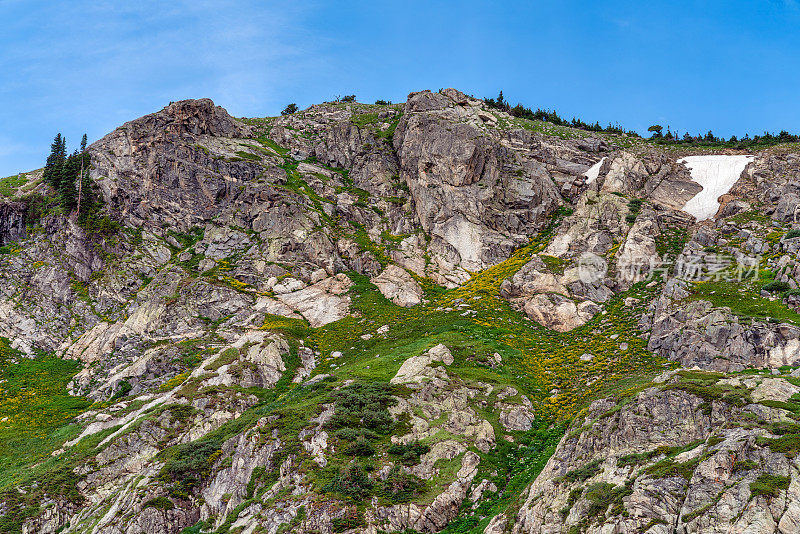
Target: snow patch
(594,171)
(716,174)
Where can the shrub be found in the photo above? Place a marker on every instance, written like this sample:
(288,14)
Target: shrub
(123,389)
(584,473)
(400,487)
(768,485)
(788,444)
(776,286)
(378,419)
(791,234)
(364,405)
(360,447)
(288,110)
(191,462)
(409,454)
(669,468)
(352,434)
(350,520)
(160,503)
(743,465)
(353,482)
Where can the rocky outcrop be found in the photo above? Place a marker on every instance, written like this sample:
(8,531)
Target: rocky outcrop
(580,276)
(417,368)
(398,286)
(453,165)
(320,303)
(12,221)
(156,170)
(697,334)
(669,461)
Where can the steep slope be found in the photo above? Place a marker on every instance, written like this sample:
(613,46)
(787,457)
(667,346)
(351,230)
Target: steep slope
(385,317)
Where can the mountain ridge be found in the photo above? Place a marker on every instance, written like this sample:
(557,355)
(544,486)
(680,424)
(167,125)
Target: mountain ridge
(395,317)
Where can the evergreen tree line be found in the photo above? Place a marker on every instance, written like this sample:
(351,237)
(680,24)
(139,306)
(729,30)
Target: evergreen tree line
(552,117)
(709,139)
(68,175)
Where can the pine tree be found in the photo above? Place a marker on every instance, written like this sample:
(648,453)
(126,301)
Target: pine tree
(67,190)
(83,199)
(56,160)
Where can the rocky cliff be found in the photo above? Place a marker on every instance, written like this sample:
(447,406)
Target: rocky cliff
(429,316)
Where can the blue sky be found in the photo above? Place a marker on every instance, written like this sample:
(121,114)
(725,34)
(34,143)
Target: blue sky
(80,66)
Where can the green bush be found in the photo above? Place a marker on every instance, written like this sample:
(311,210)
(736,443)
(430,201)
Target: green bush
(788,444)
(360,447)
(791,234)
(123,389)
(350,520)
(409,453)
(584,473)
(670,468)
(400,487)
(768,485)
(191,462)
(364,405)
(289,109)
(160,503)
(776,286)
(352,434)
(353,482)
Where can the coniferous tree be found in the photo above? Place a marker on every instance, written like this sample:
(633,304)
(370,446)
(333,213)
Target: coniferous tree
(89,197)
(288,110)
(67,190)
(55,161)
(69,176)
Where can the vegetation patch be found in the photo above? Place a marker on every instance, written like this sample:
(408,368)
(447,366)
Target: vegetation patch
(769,485)
(10,184)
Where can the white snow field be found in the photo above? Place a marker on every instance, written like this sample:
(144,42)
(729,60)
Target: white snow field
(594,171)
(716,174)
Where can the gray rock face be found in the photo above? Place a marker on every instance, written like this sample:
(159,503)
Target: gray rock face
(416,369)
(666,462)
(696,333)
(155,171)
(321,303)
(569,292)
(699,335)
(453,167)
(398,286)
(772,181)
(12,221)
